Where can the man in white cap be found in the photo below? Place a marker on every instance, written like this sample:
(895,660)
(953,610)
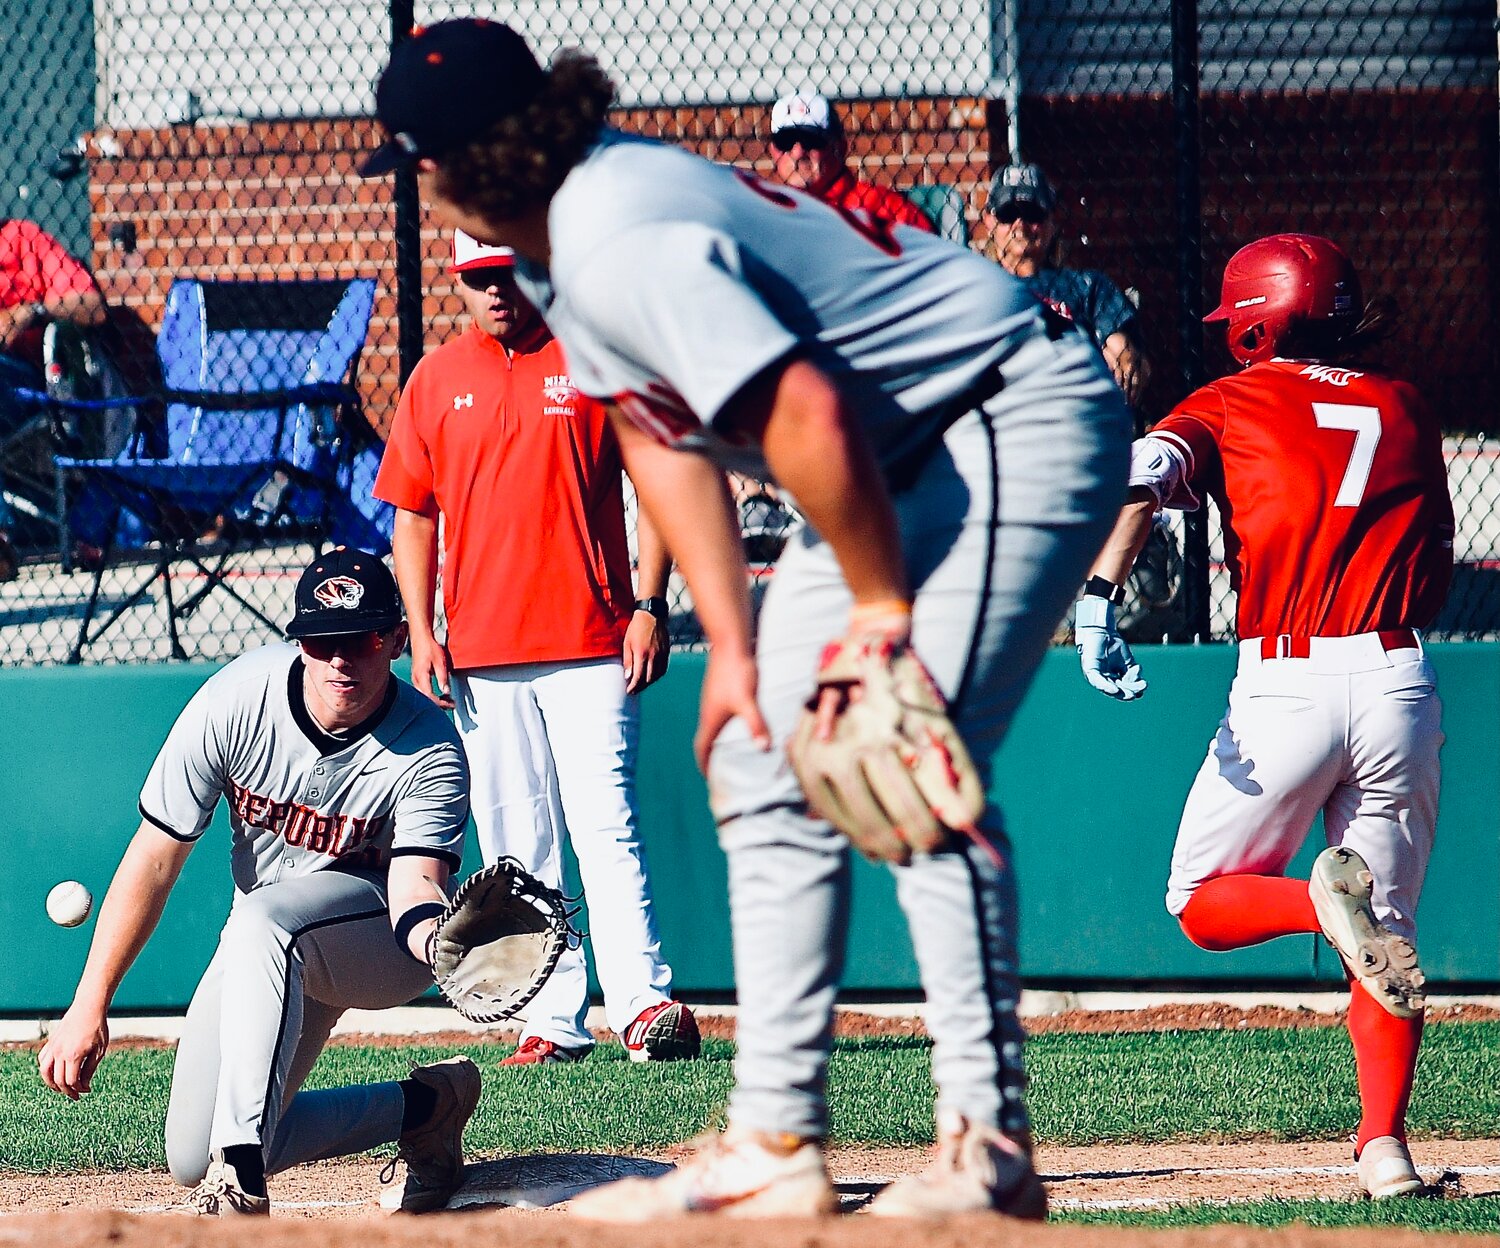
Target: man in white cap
(546,640)
(810,153)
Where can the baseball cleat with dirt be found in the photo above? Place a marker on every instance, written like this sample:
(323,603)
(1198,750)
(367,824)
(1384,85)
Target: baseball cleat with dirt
(740,1174)
(434,1152)
(663,1033)
(978,1169)
(1383,962)
(221,1196)
(1386,1169)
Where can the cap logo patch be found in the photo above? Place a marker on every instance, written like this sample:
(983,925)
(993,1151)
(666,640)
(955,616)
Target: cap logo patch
(1249,303)
(339,591)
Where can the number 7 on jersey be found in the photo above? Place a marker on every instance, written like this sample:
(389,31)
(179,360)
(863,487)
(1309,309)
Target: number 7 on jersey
(1364,423)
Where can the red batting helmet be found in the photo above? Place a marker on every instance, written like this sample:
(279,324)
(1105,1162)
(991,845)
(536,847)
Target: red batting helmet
(1276,281)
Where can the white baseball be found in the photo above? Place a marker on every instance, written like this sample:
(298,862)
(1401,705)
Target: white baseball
(69,903)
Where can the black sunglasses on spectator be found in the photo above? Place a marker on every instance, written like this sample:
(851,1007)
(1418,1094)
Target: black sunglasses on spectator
(490,275)
(785,140)
(1028,213)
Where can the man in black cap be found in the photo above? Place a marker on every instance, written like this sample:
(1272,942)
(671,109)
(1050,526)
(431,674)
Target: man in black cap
(1023,239)
(959,457)
(347,794)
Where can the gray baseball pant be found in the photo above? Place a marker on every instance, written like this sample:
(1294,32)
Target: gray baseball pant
(999,530)
(293,956)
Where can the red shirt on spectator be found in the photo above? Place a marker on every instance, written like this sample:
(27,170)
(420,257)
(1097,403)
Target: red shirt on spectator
(1333,494)
(36,268)
(847,191)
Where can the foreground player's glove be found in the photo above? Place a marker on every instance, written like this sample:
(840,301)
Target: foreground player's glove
(1107,662)
(895,777)
(502,934)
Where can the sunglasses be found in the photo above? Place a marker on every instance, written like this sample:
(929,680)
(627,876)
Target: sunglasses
(350,645)
(1028,213)
(491,275)
(812,140)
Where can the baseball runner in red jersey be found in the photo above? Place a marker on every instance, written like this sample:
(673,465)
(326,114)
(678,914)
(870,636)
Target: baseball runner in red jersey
(347,794)
(959,456)
(1338,531)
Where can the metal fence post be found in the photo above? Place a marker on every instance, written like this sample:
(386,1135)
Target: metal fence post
(408,231)
(1189,280)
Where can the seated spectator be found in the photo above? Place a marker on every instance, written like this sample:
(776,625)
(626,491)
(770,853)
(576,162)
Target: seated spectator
(39,282)
(1023,239)
(807,144)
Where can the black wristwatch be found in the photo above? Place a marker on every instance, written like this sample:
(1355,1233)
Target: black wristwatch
(656,606)
(1098,587)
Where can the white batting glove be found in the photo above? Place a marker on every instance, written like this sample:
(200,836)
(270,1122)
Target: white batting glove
(1105,656)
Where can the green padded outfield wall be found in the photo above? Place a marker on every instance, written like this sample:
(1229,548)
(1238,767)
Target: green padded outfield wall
(1091,788)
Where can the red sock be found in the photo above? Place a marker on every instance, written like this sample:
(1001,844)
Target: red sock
(1385,1054)
(1233,911)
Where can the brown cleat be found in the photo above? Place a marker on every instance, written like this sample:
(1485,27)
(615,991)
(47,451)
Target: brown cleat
(221,1196)
(434,1152)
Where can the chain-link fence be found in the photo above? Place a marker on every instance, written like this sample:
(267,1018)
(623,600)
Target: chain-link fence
(185,248)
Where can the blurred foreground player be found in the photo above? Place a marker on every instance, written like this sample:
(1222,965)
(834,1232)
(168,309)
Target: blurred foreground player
(1338,531)
(959,459)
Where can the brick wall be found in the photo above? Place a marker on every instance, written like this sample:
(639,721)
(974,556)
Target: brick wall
(282,200)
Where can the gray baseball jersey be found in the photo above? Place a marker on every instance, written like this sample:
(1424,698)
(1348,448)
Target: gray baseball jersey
(299,800)
(673,281)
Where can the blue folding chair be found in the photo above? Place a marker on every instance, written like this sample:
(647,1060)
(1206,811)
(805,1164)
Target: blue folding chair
(249,439)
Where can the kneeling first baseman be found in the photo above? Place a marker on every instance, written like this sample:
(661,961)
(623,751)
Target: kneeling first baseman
(1338,531)
(348,794)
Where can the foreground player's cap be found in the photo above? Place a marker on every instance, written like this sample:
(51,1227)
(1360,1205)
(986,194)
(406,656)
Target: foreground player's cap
(470,253)
(345,591)
(446,85)
(804,111)
(1021,184)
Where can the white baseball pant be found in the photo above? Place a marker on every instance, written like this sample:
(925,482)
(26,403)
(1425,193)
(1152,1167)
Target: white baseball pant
(552,751)
(1352,731)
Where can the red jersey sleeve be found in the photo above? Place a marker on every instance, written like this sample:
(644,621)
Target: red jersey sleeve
(1195,429)
(405,479)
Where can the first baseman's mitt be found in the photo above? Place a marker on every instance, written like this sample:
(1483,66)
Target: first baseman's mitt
(501,936)
(895,777)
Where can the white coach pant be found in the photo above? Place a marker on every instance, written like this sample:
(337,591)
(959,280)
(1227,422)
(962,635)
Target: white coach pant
(552,752)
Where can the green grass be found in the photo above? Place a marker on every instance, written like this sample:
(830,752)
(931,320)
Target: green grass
(1086,1089)
(1479,1216)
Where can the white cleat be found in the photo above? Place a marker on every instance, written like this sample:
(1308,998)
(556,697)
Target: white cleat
(1383,962)
(1386,1170)
(977,1170)
(740,1174)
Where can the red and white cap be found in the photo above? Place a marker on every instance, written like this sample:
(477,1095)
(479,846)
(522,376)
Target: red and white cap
(807,110)
(469,253)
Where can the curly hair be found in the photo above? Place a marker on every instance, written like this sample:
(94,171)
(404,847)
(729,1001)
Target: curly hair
(1339,341)
(522,160)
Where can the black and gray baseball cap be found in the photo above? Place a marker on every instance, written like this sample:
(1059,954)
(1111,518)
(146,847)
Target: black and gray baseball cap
(345,591)
(1021,184)
(446,85)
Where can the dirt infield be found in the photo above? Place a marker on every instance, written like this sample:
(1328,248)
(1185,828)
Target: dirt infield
(140,1210)
(1101,1176)
(540,1230)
